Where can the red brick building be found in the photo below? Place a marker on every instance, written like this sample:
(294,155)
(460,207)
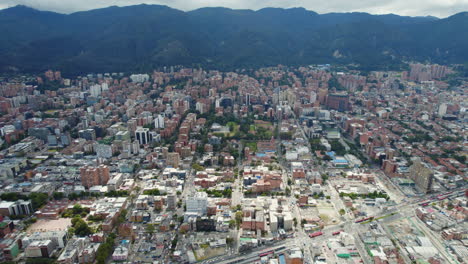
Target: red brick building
(92,176)
(338,102)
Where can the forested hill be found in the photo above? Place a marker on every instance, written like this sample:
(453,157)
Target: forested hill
(142,37)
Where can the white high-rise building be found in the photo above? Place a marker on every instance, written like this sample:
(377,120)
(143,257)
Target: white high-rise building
(159,121)
(442,109)
(313,97)
(95,90)
(198,203)
(139,78)
(135,147)
(104,86)
(200,107)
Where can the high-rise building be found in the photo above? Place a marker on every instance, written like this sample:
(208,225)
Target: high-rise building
(139,78)
(92,176)
(132,125)
(95,90)
(127,146)
(103,150)
(19,207)
(422,175)
(171,201)
(200,107)
(197,204)
(159,121)
(85,122)
(247,99)
(104,86)
(421,73)
(142,135)
(442,109)
(88,134)
(338,102)
(313,97)
(135,148)
(173,159)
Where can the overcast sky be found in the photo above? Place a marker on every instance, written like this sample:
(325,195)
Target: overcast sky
(438,8)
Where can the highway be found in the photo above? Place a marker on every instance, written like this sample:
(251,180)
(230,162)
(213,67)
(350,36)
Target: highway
(249,257)
(350,226)
(435,239)
(403,207)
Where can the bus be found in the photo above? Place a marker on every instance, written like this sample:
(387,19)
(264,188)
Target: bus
(336,232)
(263,254)
(316,234)
(443,197)
(365,219)
(425,203)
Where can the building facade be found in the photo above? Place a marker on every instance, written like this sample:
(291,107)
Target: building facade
(92,176)
(422,175)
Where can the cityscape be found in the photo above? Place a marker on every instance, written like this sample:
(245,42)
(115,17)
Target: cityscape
(287,164)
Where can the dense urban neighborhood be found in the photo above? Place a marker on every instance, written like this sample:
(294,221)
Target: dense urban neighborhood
(315,164)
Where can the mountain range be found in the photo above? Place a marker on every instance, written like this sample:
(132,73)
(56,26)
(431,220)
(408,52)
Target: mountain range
(143,37)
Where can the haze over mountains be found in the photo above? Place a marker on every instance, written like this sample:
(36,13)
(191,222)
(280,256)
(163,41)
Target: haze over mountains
(143,37)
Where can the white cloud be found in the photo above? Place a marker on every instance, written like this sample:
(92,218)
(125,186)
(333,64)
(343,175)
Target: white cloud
(440,8)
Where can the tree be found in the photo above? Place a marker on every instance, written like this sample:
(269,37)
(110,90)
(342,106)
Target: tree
(80,227)
(450,206)
(113,193)
(39,261)
(342,211)
(105,249)
(12,196)
(174,242)
(155,192)
(461,159)
(197,167)
(230,241)
(122,216)
(77,209)
(58,195)
(38,200)
(238,217)
(232,223)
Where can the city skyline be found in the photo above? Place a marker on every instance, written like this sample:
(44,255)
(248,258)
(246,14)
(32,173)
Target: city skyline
(267,131)
(437,8)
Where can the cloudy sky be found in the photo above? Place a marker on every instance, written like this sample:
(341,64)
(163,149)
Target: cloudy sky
(439,8)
